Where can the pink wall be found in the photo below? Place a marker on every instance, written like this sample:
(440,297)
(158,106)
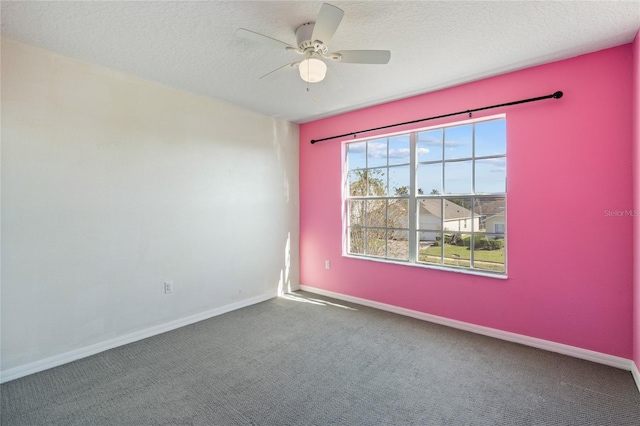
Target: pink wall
(636,192)
(570,265)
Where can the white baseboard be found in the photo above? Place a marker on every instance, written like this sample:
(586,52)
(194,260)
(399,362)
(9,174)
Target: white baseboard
(636,374)
(586,354)
(54,361)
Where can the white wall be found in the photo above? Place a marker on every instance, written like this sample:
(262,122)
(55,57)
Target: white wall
(112,185)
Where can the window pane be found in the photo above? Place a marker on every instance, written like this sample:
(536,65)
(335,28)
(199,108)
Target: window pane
(457,249)
(399,180)
(372,182)
(398,245)
(431,251)
(457,215)
(356,155)
(457,177)
(488,252)
(458,142)
(490,212)
(398,213)
(399,150)
(491,138)
(376,242)
(376,213)
(356,241)
(430,178)
(377,153)
(357,183)
(429,217)
(491,175)
(429,146)
(356,213)
(376,182)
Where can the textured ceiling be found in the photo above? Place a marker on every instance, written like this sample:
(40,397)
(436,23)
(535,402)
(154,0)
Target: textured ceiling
(435,44)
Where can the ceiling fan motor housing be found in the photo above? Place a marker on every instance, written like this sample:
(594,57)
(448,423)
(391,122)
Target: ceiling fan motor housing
(304,39)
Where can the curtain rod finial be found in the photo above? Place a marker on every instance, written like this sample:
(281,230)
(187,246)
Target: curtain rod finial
(557,95)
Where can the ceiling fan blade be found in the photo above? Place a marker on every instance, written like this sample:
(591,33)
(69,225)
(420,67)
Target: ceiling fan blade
(361,56)
(327,23)
(261,38)
(272,75)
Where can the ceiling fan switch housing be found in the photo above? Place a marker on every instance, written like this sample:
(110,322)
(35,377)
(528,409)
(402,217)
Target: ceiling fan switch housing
(304,35)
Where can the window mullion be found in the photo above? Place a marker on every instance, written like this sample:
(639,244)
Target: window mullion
(413,190)
(442,199)
(472,241)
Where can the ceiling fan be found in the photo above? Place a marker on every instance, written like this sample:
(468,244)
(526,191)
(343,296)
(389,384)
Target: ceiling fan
(312,42)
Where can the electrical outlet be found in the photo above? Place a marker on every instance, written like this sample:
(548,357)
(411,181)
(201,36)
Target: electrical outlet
(168,287)
(327,264)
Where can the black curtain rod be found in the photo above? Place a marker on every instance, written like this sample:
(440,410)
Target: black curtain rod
(556,95)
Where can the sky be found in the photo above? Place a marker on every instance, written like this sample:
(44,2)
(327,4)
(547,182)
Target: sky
(453,144)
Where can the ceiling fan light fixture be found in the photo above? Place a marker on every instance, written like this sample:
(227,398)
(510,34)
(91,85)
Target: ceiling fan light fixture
(312,70)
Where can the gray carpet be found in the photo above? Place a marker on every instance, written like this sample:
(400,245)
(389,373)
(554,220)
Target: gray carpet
(304,362)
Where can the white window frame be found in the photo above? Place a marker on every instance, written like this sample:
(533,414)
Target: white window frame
(413,199)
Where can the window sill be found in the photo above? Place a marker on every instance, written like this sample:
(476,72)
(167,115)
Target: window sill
(475,272)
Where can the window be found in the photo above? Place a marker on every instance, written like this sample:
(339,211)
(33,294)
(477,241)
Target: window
(434,197)
(379,182)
